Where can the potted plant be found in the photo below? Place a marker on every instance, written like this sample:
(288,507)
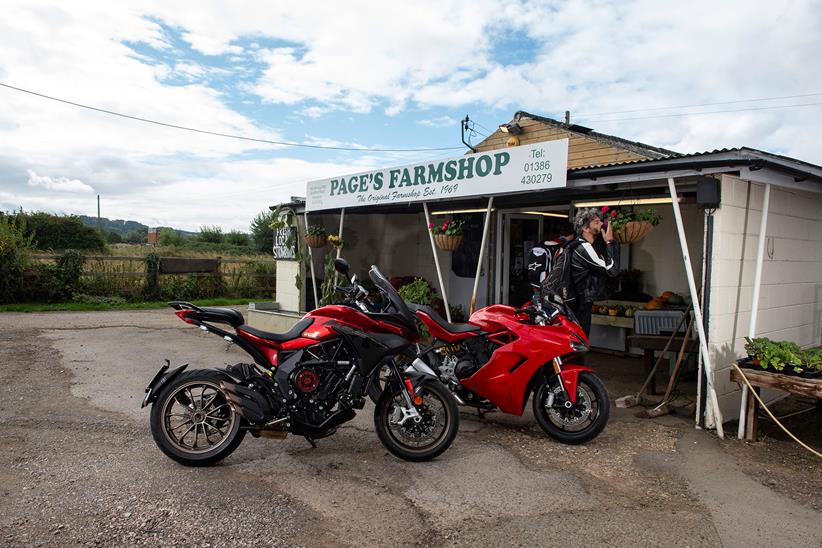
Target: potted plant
(811,361)
(448,235)
(315,236)
(629,225)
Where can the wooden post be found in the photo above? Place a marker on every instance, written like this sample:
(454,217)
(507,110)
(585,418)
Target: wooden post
(311,263)
(436,262)
(339,249)
(481,251)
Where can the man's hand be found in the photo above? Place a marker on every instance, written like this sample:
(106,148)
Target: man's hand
(608,235)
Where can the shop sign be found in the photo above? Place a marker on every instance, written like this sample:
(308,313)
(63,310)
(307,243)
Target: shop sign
(285,243)
(538,166)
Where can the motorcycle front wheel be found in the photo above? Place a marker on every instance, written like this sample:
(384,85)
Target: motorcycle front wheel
(423,439)
(192,422)
(579,423)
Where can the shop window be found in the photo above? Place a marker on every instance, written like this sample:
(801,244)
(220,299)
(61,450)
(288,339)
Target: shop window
(464,258)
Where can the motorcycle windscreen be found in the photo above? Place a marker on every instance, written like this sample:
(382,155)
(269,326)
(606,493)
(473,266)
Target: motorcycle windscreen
(394,298)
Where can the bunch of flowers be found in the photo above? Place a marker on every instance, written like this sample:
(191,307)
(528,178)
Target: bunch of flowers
(449,228)
(335,240)
(315,230)
(619,217)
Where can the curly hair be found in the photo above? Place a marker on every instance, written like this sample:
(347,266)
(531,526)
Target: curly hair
(584,216)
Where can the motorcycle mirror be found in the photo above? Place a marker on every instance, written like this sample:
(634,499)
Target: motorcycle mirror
(354,279)
(341,266)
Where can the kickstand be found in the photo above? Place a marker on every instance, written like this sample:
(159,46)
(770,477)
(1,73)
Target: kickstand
(311,441)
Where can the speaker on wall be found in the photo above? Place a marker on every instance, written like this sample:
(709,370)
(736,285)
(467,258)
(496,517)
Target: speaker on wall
(708,192)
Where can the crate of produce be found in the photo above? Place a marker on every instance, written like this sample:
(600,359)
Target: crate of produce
(658,322)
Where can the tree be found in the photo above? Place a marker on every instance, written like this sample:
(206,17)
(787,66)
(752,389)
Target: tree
(169,237)
(235,237)
(261,231)
(139,236)
(211,234)
(60,232)
(113,238)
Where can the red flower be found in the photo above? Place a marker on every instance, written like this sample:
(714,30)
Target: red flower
(430,225)
(614,213)
(605,209)
(445,226)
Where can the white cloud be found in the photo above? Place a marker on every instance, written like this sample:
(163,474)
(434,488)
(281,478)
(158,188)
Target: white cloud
(442,121)
(58,184)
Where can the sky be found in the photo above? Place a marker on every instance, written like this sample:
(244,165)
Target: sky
(371,75)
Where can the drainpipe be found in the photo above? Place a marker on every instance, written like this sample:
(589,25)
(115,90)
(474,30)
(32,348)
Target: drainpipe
(706,295)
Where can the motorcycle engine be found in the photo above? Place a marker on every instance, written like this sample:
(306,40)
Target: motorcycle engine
(317,389)
(457,362)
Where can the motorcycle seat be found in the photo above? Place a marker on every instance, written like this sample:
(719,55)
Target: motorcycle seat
(221,315)
(292,333)
(442,322)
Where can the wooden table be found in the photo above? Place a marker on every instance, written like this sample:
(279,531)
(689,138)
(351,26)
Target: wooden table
(651,343)
(811,388)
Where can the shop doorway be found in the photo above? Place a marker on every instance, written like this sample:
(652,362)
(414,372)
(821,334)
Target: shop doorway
(521,233)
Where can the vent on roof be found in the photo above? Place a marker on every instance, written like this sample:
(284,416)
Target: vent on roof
(580,129)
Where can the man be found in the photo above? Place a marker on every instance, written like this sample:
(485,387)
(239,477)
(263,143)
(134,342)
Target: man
(590,268)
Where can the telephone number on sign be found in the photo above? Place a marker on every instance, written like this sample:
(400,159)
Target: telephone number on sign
(536,178)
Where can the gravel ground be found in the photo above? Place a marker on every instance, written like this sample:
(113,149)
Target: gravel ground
(78,466)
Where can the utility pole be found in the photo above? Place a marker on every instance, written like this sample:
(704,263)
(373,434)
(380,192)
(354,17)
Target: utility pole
(98,212)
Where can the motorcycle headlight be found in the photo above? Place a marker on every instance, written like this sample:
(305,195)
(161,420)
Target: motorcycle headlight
(578,345)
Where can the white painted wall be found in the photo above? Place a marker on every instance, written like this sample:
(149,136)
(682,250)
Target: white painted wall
(288,297)
(790,303)
(659,257)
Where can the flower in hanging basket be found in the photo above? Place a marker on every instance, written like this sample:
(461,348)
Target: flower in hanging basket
(448,235)
(629,225)
(335,240)
(315,236)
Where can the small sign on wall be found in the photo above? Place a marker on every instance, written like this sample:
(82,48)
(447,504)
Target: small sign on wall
(285,243)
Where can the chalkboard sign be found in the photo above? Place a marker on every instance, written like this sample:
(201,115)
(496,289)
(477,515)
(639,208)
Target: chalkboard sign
(282,238)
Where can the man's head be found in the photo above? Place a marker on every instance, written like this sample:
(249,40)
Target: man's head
(588,223)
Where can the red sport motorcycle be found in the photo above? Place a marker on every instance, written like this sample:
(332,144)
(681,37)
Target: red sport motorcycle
(307,382)
(504,354)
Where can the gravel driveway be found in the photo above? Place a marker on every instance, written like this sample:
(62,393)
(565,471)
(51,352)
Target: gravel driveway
(78,466)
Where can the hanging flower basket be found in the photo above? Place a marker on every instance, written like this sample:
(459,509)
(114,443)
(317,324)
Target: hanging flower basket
(632,231)
(316,240)
(448,242)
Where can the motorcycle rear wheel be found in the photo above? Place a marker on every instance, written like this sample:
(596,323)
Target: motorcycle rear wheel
(584,421)
(191,421)
(418,441)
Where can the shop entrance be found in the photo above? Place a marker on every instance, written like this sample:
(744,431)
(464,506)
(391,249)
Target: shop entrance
(522,232)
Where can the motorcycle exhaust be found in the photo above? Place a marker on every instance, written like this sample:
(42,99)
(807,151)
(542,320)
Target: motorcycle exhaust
(248,403)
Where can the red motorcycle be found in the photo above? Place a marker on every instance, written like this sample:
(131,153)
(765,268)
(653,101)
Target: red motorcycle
(307,381)
(504,354)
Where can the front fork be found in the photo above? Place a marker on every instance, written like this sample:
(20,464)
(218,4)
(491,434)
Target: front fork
(569,376)
(418,371)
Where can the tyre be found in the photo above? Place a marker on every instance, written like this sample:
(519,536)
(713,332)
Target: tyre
(191,421)
(581,422)
(422,440)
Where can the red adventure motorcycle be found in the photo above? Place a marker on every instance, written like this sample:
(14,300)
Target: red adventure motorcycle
(503,354)
(307,382)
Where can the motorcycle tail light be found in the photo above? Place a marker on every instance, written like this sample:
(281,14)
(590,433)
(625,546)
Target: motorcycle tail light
(183,315)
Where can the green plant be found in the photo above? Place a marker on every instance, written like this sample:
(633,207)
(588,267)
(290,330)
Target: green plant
(454,227)
(457,313)
(418,292)
(151,288)
(15,247)
(262,233)
(774,355)
(169,236)
(235,237)
(211,234)
(328,293)
(811,358)
(619,217)
(70,267)
(315,230)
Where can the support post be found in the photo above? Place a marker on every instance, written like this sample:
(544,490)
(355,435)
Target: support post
(760,252)
(703,346)
(311,263)
(481,251)
(436,261)
(339,249)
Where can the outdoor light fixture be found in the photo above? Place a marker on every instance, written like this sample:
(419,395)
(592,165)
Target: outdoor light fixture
(458,211)
(513,128)
(547,214)
(626,202)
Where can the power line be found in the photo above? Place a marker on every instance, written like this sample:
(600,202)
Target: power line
(583,116)
(701,113)
(227,135)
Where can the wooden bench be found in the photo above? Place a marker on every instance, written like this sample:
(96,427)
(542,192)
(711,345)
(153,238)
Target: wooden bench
(652,343)
(811,388)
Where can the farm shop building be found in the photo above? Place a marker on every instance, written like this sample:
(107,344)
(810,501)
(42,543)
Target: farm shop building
(720,197)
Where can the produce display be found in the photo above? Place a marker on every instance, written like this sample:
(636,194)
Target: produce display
(668,298)
(782,357)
